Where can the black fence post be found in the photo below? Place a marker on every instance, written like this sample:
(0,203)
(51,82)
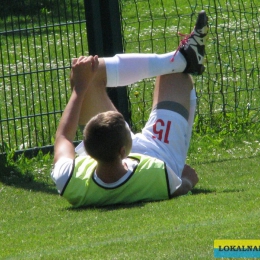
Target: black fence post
(105,39)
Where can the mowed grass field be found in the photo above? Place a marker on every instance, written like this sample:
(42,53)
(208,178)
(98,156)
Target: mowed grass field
(38,224)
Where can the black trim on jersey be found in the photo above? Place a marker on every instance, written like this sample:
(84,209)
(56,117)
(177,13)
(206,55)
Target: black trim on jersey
(67,182)
(134,158)
(108,188)
(166,174)
(167,181)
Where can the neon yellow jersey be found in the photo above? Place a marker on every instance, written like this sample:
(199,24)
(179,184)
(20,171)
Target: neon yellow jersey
(148,182)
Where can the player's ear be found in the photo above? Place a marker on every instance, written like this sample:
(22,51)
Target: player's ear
(122,152)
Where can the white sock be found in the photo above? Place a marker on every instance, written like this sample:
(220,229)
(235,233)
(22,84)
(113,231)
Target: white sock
(125,69)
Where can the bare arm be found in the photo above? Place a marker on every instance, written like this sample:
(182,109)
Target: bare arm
(189,180)
(83,71)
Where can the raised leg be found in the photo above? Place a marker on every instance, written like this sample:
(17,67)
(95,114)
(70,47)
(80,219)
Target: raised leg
(174,87)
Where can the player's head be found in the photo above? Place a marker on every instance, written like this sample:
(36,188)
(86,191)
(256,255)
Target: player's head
(107,137)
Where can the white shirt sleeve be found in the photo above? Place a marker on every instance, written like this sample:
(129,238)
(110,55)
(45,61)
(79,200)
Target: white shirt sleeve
(174,181)
(80,149)
(61,172)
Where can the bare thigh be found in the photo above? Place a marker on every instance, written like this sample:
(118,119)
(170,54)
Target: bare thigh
(173,87)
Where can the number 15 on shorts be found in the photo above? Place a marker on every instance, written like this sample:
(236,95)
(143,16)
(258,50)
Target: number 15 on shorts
(161,130)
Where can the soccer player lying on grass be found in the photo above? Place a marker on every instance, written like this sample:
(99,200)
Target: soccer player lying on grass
(112,165)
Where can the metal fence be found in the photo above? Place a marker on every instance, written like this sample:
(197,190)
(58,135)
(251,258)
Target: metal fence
(38,39)
(37,45)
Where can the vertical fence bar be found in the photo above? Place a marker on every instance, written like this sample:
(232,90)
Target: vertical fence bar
(105,39)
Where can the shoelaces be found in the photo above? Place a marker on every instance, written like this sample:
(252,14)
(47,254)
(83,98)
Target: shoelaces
(184,40)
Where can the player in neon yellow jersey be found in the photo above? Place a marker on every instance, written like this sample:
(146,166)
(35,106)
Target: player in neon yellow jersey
(112,165)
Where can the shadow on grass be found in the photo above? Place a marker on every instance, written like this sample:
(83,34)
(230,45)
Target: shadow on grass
(198,191)
(132,205)
(108,208)
(11,176)
(205,191)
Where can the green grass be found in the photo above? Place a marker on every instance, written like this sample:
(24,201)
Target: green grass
(38,224)
(36,58)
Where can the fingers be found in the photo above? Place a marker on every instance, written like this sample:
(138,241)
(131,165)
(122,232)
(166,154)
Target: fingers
(95,63)
(82,59)
(77,61)
(89,63)
(74,61)
(83,71)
